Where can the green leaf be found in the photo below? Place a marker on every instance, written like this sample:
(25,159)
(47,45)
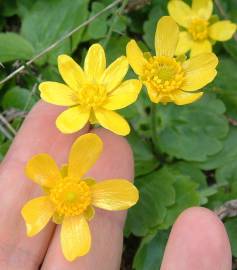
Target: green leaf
(231,225)
(18,98)
(193,172)
(50,20)
(225,156)
(225,84)
(150,253)
(98,28)
(14,47)
(198,177)
(225,193)
(231,47)
(145,161)
(4,148)
(186,195)
(156,194)
(192,132)
(116,48)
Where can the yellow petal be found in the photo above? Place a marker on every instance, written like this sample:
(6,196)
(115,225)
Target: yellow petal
(83,154)
(115,73)
(57,93)
(70,71)
(183,98)
(95,63)
(37,214)
(203,8)
(124,95)
(222,30)
(166,37)
(152,93)
(199,71)
(184,44)
(43,170)
(135,57)
(114,194)
(73,119)
(201,47)
(112,121)
(180,12)
(75,237)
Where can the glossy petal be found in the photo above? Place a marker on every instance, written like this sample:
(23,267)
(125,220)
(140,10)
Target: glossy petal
(200,70)
(84,153)
(115,73)
(37,214)
(75,237)
(43,170)
(124,95)
(73,119)
(57,93)
(95,63)
(166,37)
(114,194)
(184,44)
(112,121)
(135,57)
(70,71)
(180,12)
(201,47)
(203,8)
(152,93)
(183,98)
(222,30)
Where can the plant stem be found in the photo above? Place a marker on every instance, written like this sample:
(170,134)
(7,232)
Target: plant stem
(154,127)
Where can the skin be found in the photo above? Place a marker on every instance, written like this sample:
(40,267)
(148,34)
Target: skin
(198,240)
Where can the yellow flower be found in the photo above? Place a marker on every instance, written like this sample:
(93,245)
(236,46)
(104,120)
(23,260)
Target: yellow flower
(93,93)
(201,32)
(167,79)
(70,196)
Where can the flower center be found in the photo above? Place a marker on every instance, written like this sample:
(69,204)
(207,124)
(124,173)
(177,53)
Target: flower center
(163,73)
(92,95)
(70,198)
(198,29)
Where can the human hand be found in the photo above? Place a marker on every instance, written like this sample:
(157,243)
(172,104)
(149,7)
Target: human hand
(198,240)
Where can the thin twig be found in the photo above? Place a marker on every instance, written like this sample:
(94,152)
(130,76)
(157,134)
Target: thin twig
(228,209)
(4,131)
(5,122)
(223,14)
(13,113)
(55,44)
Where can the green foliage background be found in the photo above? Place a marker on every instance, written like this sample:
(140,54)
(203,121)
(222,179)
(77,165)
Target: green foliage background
(197,164)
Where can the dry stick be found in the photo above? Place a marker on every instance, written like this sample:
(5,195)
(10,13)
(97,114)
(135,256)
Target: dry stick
(5,122)
(14,73)
(5,132)
(223,14)
(228,209)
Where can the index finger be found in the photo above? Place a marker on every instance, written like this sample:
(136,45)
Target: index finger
(38,134)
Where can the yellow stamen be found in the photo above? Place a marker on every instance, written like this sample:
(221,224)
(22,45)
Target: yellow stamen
(91,95)
(164,74)
(198,29)
(70,198)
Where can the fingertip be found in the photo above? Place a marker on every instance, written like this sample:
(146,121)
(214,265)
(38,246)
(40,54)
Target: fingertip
(198,241)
